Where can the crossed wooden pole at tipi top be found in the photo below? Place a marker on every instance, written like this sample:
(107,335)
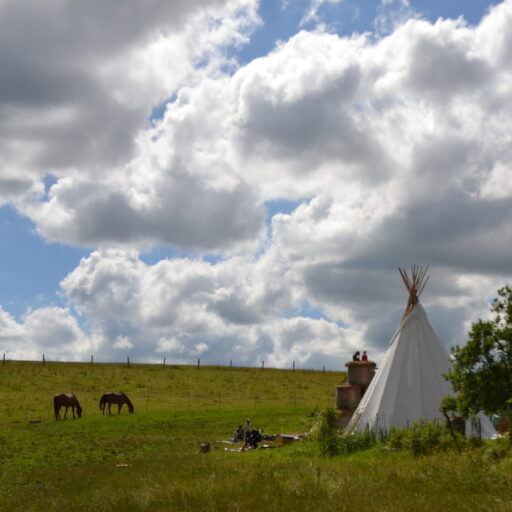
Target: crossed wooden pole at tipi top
(414,284)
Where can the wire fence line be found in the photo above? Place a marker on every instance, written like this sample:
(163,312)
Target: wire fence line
(165,362)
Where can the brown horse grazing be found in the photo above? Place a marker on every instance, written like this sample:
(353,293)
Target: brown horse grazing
(66,401)
(115,398)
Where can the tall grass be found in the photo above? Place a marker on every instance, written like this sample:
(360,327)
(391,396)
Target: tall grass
(291,478)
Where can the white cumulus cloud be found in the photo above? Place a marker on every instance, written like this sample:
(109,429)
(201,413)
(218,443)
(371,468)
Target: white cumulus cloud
(395,150)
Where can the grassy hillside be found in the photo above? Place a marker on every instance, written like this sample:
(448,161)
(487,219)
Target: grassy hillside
(148,461)
(27,388)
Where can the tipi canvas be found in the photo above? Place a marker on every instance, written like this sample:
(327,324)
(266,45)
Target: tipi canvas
(409,384)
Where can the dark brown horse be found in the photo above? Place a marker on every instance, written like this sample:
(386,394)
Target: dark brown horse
(115,398)
(66,401)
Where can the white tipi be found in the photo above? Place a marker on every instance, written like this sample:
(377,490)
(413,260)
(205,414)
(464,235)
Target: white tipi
(409,384)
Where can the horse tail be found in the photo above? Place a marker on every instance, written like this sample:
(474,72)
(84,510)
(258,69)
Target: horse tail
(102,401)
(129,404)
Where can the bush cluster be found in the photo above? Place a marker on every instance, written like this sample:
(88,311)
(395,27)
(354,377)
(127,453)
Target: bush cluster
(331,442)
(498,449)
(423,437)
(420,438)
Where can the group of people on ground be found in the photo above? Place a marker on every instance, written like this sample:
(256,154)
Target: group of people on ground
(248,435)
(358,357)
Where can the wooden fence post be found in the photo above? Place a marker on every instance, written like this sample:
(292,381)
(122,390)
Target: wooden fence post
(44,362)
(198,363)
(164,362)
(128,362)
(92,359)
(230,362)
(262,365)
(323,371)
(3,360)
(293,366)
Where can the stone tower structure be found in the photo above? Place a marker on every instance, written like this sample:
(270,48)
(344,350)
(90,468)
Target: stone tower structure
(348,395)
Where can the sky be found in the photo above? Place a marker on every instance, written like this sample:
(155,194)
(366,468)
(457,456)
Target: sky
(240,179)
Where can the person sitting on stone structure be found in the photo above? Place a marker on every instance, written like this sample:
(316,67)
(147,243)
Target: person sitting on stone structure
(364,356)
(356,357)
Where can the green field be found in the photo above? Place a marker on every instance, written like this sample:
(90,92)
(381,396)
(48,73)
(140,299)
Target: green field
(148,460)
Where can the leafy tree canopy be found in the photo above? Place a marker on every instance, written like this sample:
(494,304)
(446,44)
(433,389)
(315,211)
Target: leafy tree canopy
(481,373)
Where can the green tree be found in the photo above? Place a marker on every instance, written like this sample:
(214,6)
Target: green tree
(481,373)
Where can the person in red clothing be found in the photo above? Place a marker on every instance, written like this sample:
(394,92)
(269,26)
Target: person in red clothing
(364,357)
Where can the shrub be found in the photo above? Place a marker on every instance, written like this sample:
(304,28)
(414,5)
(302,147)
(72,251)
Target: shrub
(423,437)
(327,434)
(358,442)
(331,443)
(497,449)
(420,438)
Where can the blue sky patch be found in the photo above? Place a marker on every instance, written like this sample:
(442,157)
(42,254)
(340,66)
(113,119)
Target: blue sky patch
(30,268)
